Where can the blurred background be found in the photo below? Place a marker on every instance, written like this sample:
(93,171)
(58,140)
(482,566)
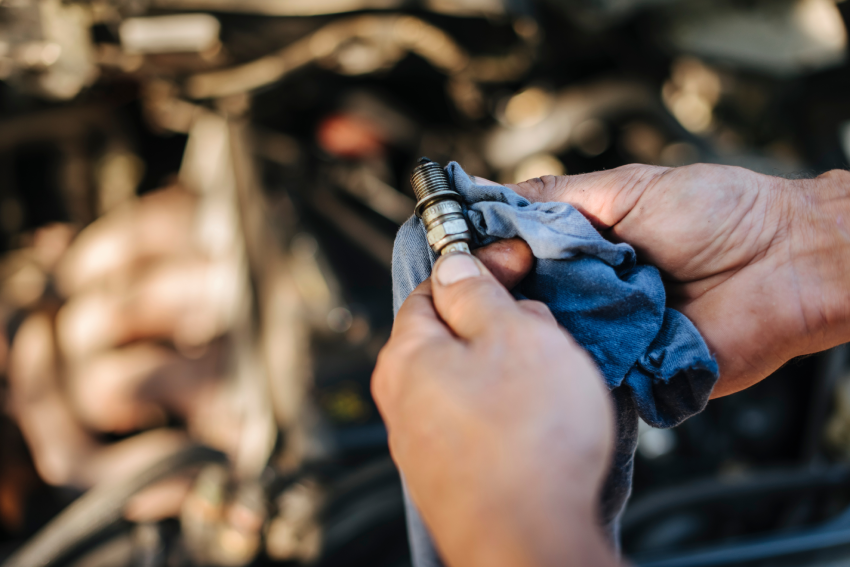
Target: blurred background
(198,200)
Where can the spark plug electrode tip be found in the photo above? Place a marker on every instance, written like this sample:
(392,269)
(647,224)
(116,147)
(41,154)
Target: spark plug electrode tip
(438,205)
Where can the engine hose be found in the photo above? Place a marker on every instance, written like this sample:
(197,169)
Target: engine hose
(100,507)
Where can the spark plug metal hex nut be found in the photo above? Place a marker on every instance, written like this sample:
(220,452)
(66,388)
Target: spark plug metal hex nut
(438,205)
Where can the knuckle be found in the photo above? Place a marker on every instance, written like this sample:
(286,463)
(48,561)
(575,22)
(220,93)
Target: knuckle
(701,169)
(553,186)
(542,189)
(540,311)
(632,169)
(378,384)
(534,305)
(836,175)
(393,357)
(531,187)
(634,178)
(637,173)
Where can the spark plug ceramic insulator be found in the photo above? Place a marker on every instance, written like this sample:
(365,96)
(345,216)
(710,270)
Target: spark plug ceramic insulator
(438,205)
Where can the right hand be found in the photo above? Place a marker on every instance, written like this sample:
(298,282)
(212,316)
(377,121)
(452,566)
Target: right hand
(140,339)
(758,263)
(498,420)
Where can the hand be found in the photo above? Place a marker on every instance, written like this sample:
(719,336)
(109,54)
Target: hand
(499,422)
(138,340)
(758,263)
(137,333)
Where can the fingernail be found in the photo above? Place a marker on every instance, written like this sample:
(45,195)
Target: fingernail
(455,268)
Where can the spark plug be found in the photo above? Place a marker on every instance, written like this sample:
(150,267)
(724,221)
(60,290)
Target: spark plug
(438,205)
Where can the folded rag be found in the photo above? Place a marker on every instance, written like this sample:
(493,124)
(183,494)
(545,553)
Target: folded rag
(654,361)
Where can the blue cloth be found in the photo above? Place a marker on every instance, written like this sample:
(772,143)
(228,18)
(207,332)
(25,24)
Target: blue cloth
(653,359)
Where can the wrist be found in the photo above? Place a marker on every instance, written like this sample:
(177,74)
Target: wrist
(517,515)
(820,249)
(513,538)
(573,536)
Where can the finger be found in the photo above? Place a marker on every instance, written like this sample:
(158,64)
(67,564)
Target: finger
(468,298)
(105,391)
(418,317)
(542,313)
(133,387)
(158,224)
(57,442)
(187,302)
(51,242)
(539,310)
(417,327)
(604,197)
(508,260)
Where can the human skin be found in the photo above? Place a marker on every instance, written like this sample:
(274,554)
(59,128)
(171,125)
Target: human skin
(134,281)
(498,420)
(758,263)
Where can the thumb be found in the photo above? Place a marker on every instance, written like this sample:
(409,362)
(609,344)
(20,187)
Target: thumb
(468,298)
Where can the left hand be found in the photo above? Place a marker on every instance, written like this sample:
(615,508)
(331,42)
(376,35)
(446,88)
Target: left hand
(498,420)
(757,263)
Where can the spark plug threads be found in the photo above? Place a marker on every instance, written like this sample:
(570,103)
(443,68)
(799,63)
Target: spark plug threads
(438,205)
